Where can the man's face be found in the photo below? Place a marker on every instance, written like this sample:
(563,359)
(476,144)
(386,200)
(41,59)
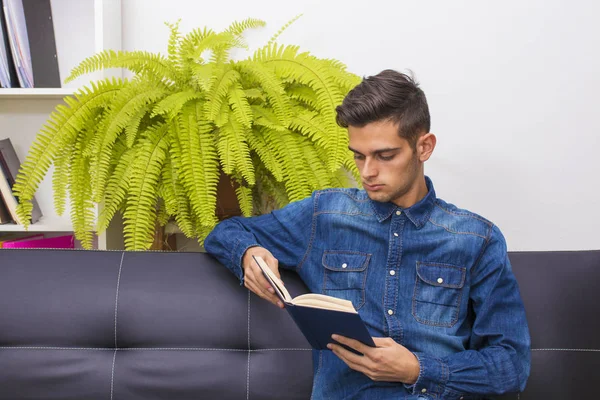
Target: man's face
(388,166)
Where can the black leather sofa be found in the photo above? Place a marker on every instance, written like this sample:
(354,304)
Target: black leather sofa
(164,325)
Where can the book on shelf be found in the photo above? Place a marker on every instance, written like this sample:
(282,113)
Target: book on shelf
(5,217)
(8,73)
(9,168)
(319,316)
(30,45)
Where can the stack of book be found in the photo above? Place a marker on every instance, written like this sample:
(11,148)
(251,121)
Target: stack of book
(28,56)
(9,167)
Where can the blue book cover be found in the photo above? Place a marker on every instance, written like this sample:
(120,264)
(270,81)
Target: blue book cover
(319,316)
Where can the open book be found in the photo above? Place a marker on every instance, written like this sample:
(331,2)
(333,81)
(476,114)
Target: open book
(317,315)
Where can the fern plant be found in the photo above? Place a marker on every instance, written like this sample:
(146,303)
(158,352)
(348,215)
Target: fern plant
(154,146)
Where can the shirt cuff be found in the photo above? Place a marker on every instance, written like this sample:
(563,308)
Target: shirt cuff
(236,258)
(433,376)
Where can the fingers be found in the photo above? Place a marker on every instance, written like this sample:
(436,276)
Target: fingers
(261,287)
(354,344)
(254,278)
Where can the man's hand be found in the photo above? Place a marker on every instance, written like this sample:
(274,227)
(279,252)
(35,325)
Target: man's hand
(388,362)
(254,278)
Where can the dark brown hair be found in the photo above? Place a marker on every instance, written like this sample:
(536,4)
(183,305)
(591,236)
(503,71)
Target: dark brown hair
(387,96)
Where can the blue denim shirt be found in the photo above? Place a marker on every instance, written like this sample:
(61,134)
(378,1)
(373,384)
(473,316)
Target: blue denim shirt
(433,277)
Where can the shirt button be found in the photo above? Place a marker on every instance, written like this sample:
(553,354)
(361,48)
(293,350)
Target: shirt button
(390,312)
(398,212)
(440,280)
(392,272)
(344,265)
(395,234)
(423,390)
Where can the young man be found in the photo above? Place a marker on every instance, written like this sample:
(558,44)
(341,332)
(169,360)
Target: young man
(433,282)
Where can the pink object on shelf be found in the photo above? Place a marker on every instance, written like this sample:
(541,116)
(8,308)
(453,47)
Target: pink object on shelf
(59,242)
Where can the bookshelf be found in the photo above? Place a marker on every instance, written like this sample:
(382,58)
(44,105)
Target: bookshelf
(82,29)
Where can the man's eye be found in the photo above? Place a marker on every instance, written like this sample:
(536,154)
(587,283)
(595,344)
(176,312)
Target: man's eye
(386,158)
(358,157)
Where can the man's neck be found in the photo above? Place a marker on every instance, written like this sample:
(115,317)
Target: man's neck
(416,194)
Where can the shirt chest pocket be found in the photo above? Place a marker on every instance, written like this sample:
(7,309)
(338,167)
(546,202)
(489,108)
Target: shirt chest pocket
(438,293)
(345,275)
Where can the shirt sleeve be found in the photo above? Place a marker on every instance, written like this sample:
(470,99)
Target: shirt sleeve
(285,233)
(499,357)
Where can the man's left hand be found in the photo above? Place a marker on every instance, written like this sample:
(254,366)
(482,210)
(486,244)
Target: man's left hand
(388,362)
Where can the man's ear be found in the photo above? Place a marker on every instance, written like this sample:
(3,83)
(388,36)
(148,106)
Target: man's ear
(425,146)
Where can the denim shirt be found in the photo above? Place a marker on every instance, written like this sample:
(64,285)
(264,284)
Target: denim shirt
(433,277)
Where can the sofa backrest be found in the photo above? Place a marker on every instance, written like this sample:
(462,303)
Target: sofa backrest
(141,325)
(561,294)
(162,325)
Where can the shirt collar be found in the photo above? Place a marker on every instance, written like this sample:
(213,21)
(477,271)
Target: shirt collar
(418,213)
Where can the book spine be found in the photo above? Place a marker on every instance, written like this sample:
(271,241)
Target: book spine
(10,164)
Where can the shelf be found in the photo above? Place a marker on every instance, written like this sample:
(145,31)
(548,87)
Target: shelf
(43,225)
(42,93)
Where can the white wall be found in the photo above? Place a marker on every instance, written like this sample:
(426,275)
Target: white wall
(512,88)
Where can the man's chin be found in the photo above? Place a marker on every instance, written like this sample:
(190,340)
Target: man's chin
(378,196)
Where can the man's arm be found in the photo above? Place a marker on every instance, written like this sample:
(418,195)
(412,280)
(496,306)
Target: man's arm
(285,233)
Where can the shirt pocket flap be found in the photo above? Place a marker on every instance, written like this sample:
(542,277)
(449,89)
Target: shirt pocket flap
(444,275)
(345,261)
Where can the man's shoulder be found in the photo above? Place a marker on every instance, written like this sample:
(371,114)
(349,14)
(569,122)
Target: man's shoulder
(461,220)
(341,199)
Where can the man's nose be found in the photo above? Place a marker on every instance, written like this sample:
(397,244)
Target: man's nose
(369,168)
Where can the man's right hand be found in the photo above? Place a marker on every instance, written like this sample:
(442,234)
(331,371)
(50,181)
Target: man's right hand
(254,278)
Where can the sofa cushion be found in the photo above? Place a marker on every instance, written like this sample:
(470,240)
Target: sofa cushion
(142,325)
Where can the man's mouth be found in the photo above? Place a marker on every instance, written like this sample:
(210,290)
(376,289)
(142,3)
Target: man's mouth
(372,187)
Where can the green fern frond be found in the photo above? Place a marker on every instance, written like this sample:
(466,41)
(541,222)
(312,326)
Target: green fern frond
(199,161)
(239,105)
(319,177)
(133,127)
(350,165)
(345,80)
(223,115)
(219,89)
(173,103)
(234,151)
(310,124)
(266,117)
(139,62)
(272,87)
(62,165)
(269,194)
(140,212)
(307,70)
(257,143)
(120,114)
(283,28)
(176,198)
(174,40)
(61,130)
(288,153)
(116,188)
(244,196)
(82,207)
(203,75)
(304,94)
(162,217)
(255,94)
(238,28)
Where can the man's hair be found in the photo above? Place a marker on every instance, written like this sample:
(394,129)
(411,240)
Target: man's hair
(387,96)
